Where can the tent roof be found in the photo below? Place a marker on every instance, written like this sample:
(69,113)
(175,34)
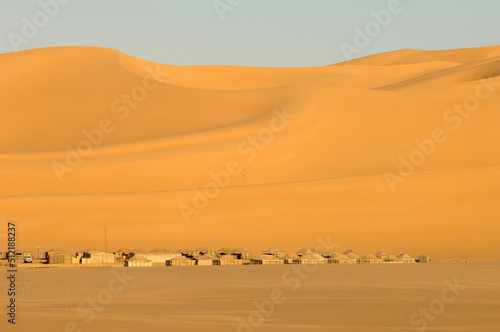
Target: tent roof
(207,257)
(313,256)
(228,258)
(305,252)
(181,258)
(161,250)
(370,256)
(391,258)
(317,256)
(58,252)
(87,250)
(266,257)
(292,256)
(273,250)
(123,250)
(340,257)
(137,258)
(404,256)
(352,256)
(203,249)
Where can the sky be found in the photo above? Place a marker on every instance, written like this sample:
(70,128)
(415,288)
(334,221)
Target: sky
(270,33)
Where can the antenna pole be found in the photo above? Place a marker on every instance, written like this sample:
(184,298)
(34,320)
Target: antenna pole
(105,245)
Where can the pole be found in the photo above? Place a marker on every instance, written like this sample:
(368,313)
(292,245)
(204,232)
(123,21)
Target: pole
(105,245)
(38,253)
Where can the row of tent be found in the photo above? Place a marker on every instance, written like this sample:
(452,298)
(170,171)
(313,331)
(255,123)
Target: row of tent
(305,256)
(223,256)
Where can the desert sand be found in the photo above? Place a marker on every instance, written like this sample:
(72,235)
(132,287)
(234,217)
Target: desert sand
(342,298)
(91,136)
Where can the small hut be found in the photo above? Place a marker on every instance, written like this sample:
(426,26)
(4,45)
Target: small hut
(207,259)
(275,252)
(230,260)
(157,257)
(137,261)
(312,259)
(305,252)
(330,253)
(241,253)
(97,257)
(424,259)
(291,259)
(202,251)
(369,259)
(404,258)
(122,253)
(353,256)
(341,259)
(382,255)
(180,261)
(317,251)
(224,251)
(58,257)
(391,259)
(265,260)
(162,249)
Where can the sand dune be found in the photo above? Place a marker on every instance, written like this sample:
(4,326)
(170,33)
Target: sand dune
(92,136)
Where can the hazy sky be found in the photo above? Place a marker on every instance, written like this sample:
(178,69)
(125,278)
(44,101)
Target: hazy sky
(284,33)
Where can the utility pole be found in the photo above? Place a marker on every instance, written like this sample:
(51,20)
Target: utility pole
(105,245)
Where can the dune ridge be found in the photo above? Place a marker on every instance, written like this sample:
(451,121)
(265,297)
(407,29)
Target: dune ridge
(328,138)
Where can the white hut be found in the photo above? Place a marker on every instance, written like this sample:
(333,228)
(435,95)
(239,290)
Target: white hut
(265,260)
(330,253)
(341,259)
(207,260)
(312,259)
(305,252)
(391,259)
(353,256)
(137,261)
(98,257)
(58,257)
(278,253)
(241,253)
(156,256)
(369,259)
(291,259)
(404,258)
(180,261)
(230,260)
(424,259)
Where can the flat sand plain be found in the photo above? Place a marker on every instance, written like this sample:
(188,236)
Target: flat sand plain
(342,298)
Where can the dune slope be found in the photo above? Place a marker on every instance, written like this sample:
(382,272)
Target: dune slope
(390,152)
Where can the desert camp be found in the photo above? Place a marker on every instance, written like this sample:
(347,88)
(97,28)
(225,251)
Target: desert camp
(204,256)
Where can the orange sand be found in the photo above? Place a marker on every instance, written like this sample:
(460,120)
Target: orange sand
(320,172)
